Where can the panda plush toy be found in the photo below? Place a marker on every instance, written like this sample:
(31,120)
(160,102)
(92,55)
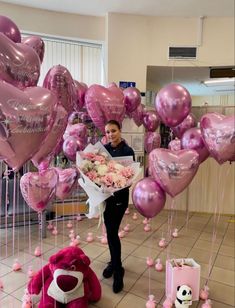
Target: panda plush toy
(183,297)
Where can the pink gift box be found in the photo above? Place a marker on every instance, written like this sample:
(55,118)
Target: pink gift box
(182,272)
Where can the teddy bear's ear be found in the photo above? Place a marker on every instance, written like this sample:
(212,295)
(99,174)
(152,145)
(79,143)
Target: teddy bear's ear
(56,257)
(85,259)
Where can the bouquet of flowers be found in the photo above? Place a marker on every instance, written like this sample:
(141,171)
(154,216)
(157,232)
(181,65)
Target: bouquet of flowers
(102,174)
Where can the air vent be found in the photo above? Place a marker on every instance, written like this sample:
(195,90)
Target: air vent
(181,53)
(222,72)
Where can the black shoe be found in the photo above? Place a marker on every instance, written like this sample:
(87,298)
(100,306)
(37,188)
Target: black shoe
(108,271)
(118,280)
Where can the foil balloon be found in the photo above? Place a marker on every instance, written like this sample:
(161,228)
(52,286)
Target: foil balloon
(10,29)
(173,104)
(173,170)
(38,189)
(192,140)
(174,145)
(218,132)
(19,63)
(104,104)
(26,118)
(59,80)
(71,145)
(151,120)
(78,130)
(137,115)
(66,182)
(80,89)
(152,140)
(132,99)
(188,122)
(148,197)
(49,145)
(36,43)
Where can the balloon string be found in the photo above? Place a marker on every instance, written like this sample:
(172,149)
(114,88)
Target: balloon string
(1,197)
(40,214)
(13,219)
(18,211)
(6,207)
(170,223)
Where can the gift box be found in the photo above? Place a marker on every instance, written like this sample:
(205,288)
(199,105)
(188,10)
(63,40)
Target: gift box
(182,272)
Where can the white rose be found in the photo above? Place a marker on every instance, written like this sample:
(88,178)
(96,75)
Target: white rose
(101,170)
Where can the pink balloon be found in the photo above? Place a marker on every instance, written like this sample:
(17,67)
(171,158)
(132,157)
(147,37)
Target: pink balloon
(173,170)
(132,99)
(38,189)
(174,145)
(37,44)
(192,140)
(78,130)
(80,89)
(188,122)
(151,120)
(10,29)
(66,182)
(218,132)
(27,116)
(19,63)
(173,104)
(137,115)
(49,145)
(59,80)
(71,145)
(104,104)
(148,197)
(152,140)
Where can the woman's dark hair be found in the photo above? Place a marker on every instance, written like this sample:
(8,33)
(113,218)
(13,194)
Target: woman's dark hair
(114,122)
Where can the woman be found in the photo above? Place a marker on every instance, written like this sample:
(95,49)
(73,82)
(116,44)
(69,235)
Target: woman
(115,207)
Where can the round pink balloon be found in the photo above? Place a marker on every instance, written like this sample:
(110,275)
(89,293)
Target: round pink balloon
(173,104)
(132,98)
(49,145)
(188,122)
(174,145)
(19,63)
(151,120)
(192,140)
(10,29)
(80,89)
(173,170)
(37,44)
(218,132)
(71,145)
(137,115)
(148,197)
(152,140)
(38,189)
(78,130)
(26,117)
(59,80)
(66,182)
(104,104)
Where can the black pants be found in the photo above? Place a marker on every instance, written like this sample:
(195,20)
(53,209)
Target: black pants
(113,214)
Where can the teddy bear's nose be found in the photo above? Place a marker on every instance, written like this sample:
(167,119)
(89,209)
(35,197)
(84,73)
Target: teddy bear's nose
(67,283)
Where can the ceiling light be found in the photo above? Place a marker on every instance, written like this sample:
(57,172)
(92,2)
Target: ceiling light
(219,82)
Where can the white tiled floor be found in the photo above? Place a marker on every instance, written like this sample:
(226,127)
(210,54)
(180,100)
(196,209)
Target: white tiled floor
(140,281)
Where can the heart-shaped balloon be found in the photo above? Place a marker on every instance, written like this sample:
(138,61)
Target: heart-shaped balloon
(26,117)
(59,80)
(66,182)
(152,140)
(80,89)
(173,170)
(49,145)
(104,104)
(218,132)
(39,188)
(10,29)
(173,104)
(19,63)
(174,145)
(78,130)
(137,115)
(36,43)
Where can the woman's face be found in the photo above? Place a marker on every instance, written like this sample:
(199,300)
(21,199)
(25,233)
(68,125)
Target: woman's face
(113,134)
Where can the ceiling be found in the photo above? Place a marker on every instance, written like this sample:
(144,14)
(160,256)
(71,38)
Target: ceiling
(187,8)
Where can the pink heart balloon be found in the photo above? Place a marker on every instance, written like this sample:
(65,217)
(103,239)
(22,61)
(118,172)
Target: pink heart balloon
(137,115)
(104,104)
(59,80)
(27,117)
(19,63)
(39,188)
(37,44)
(152,140)
(218,132)
(10,29)
(66,182)
(173,170)
(174,145)
(49,145)
(173,104)
(80,89)
(78,130)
